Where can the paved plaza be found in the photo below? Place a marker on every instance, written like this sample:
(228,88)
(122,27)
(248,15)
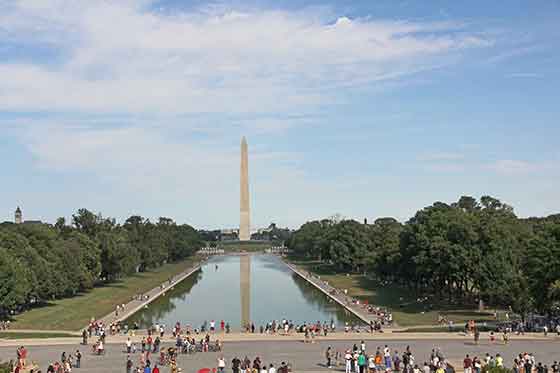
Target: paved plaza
(304,357)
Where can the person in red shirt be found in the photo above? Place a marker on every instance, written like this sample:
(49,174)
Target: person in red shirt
(222,325)
(467,364)
(155,370)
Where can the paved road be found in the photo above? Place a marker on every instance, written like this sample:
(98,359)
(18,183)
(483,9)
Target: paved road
(303,357)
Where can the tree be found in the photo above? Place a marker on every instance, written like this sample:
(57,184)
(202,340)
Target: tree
(14,286)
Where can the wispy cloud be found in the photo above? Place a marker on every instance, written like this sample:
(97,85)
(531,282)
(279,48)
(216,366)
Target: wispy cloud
(514,52)
(515,167)
(125,57)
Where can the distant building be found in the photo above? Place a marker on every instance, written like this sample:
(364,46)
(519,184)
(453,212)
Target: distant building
(18,216)
(32,222)
(229,234)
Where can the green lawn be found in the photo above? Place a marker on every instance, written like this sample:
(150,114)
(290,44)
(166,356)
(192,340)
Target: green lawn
(402,302)
(75,313)
(34,335)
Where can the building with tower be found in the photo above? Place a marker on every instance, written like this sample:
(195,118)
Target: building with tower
(18,216)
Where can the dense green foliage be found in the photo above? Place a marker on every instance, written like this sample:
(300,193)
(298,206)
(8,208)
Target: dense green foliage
(465,251)
(40,262)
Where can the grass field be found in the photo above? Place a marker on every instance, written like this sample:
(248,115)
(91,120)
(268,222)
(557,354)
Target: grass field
(402,302)
(34,335)
(75,313)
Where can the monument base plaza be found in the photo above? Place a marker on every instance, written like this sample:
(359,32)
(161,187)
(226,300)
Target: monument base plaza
(303,357)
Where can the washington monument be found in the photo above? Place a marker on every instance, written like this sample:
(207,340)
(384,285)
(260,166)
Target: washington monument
(244,218)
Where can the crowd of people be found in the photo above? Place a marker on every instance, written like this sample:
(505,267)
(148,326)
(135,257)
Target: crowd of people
(245,365)
(358,360)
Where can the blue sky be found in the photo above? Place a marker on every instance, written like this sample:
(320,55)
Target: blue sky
(357,108)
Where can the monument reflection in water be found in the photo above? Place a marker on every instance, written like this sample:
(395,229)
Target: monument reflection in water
(240,290)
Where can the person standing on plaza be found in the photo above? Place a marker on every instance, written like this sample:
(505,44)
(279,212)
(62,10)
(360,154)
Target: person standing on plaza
(271,369)
(235,364)
(328,356)
(362,362)
(78,356)
(555,367)
(499,361)
(221,364)
(348,361)
(477,365)
(476,336)
(129,364)
(397,361)
(467,364)
(245,365)
(371,364)
(528,366)
(387,357)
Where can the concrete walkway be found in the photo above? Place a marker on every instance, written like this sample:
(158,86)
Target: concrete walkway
(257,337)
(335,294)
(304,357)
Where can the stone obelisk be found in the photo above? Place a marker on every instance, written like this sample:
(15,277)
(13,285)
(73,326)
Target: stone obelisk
(244,218)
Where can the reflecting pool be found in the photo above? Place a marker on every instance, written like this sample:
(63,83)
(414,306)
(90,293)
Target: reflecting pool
(242,289)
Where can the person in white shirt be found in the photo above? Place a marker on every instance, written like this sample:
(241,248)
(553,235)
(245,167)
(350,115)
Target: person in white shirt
(371,364)
(348,359)
(387,356)
(221,364)
(271,369)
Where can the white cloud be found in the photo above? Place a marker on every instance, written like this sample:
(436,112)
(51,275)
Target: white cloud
(123,57)
(514,167)
(130,87)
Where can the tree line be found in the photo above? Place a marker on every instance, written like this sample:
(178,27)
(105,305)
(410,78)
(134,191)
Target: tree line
(463,252)
(43,262)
